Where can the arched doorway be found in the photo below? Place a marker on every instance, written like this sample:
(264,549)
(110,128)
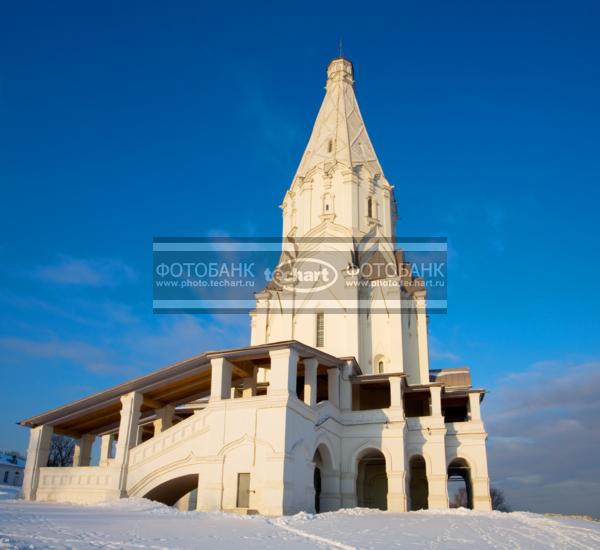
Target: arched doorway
(325,481)
(460,490)
(418,488)
(317,485)
(371,481)
(171,491)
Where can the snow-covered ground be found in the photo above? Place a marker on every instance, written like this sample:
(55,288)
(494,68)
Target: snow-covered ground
(144,524)
(9,491)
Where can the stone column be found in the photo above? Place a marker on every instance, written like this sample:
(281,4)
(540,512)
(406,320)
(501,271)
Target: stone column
(164,419)
(437,477)
(82,455)
(220,379)
(131,404)
(474,407)
(140,435)
(346,387)
(396,392)
(481,494)
(396,498)
(348,489)
(422,343)
(284,363)
(249,384)
(37,457)
(333,386)
(436,400)
(106,444)
(311,366)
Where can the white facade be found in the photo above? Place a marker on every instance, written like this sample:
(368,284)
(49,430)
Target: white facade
(331,406)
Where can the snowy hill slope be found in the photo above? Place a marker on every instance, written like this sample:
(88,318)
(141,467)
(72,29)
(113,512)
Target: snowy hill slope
(144,524)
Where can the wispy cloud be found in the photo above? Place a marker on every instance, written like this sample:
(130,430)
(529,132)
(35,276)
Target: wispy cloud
(92,358)
(438,352)
(95,272)
(545,437)
(130,348)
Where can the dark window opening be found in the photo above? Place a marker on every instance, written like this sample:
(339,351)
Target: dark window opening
(460,489)
(322,387)
(455,409)
(300,387)
(417,404)
(418,487)
(370,207)
(366,397)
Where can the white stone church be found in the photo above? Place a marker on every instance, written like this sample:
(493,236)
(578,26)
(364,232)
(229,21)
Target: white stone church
(333,405)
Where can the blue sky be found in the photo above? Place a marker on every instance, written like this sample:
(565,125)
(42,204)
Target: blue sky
(122,122)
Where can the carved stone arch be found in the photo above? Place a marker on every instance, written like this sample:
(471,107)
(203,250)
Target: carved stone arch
(460,468)
(183,468)
(463,456)
(366,446)
(324,440)
(244,440)
(371,472)
(416,451)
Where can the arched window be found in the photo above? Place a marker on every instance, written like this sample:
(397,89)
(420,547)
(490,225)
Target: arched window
(327,203)
(379,362)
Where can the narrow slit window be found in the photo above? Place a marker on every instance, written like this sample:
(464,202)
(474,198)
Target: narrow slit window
(320,330)
(370,207)
(330,146)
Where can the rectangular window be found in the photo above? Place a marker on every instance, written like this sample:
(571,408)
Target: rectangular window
(5,477)
(320,330)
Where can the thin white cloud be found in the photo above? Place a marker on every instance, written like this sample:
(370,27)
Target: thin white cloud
(92,358)
(95,272)
(437,351)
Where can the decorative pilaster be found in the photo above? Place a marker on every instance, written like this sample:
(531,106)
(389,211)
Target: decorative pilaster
(421,312)
(333,386)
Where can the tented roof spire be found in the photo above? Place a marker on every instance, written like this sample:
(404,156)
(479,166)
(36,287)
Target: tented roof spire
(339,134)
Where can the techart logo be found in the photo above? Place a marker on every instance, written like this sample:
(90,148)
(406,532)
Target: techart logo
(305,275)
